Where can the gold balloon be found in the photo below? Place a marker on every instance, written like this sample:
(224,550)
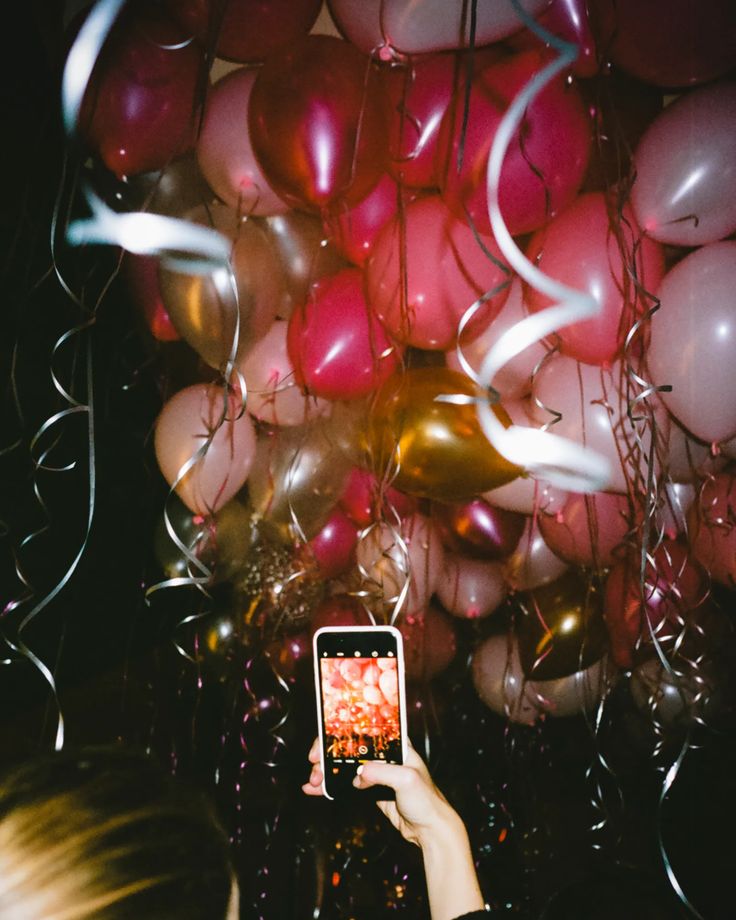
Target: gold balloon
(203,307)
(234,535)
(191,531)
(305,255)
(438,447)
(562,630)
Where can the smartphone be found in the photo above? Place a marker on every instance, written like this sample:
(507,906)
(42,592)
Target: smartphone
(361,705)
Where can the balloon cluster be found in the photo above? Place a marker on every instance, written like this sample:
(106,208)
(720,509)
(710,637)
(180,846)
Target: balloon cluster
(341,349)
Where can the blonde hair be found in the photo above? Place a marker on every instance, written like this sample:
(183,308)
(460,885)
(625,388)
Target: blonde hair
(108,834)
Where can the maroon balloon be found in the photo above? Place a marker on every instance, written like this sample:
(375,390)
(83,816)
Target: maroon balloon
(245,30)
(668,42)
(364,502)
(333,548)
(340,610)
(570,21)
(546,161)
(430,642)
(338,348)
(674,585)
(352,230)
(317,122)
(141,106)
(141,273)
(287,655)
(478,529)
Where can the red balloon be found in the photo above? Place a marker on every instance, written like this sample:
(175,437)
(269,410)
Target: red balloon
(570,21)
(668,42)
(365,502)
(339,350)
(247,30)
(340,610)
(317,122)
(588,529)
(430,642)
(333,547)
(478,529)
(141,106)
(545,163)
(674,585)
(353,230)
(142,276)
(582,248)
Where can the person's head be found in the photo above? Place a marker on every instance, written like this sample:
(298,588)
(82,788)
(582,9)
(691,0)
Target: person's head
(107,833)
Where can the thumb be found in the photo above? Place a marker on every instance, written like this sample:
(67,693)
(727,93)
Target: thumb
(375,772)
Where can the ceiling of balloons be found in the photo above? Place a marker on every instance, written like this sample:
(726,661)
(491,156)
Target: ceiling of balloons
(435,307)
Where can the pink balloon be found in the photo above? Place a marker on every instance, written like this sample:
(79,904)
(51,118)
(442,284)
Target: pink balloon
(444,271)
(499,680)
(588,529)
(533,563)
(389,555)
(671,516)
(693,341)
(185,422)
(141,273)
(514,378)
(594,407)
(471,588)
(570,21)
(273,395)
(689,460)
(366,500)
(384,26)
(430,643)
(224,151)
(582,248)
(352,230)
(539,176)
(684,192)
(333,547)
(338,348)
(712,531)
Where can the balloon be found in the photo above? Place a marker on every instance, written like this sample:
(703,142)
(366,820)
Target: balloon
(338,348)
(387,556)
(514,378)
(430,643)
(419,94)
(500,683)
(477,529)
(689,460)
(540,175)
(593,411)
(693,341)
(674,584)
(366,500)
(570,21)
(141,104)
(233,537)
(176,188)
(668,42)
(297,476)
(288,656)
(191,531)
(141,273)
(202,307)
(672,698)
(340,610)
(684,192)
(245,30)
(671,516)
(533,563)
(190,417)
(426,270)
(273,394)
(353,230)
(333,547)
(562,629)
(471,588)
(305,255)
(224,150)
(711,526)
(317,123)
(588,249)
(436,447)
(588,529)
(433,25)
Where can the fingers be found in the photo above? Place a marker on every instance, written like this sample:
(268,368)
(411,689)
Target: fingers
(373,773)
(313,786)
(313,755)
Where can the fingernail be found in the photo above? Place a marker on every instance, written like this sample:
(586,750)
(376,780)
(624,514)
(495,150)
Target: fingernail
(359,770)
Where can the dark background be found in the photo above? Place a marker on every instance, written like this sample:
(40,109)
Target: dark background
(563,817)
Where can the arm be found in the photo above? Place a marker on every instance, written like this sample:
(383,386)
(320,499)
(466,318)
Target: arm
(424,817)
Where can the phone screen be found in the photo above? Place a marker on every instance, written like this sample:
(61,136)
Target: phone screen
(360,681)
